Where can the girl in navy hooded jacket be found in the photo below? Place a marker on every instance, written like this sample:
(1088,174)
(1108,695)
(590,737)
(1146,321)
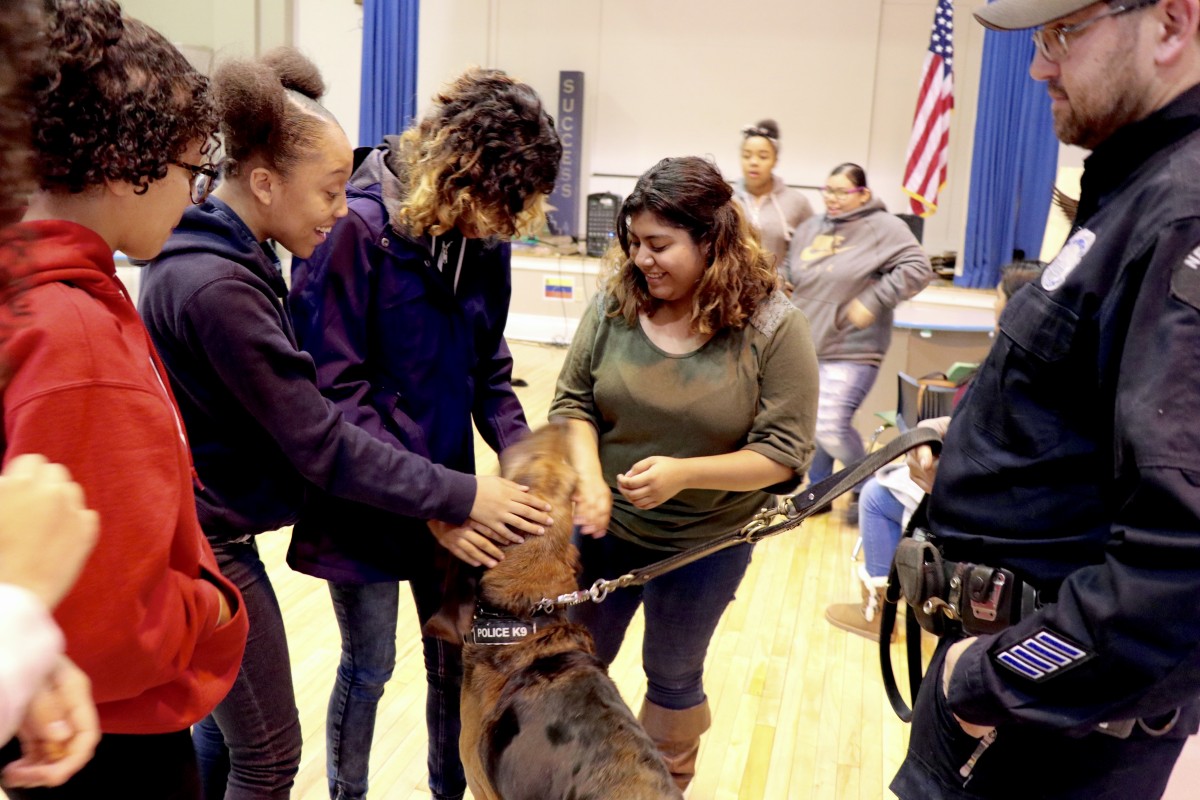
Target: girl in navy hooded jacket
(404,313)
(263,437)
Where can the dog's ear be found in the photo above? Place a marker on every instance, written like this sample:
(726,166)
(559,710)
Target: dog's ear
(460,589)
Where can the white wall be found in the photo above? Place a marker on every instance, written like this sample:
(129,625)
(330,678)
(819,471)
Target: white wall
(665,77)
(330,33)
(225,27)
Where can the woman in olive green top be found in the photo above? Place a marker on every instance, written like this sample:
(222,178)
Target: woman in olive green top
(691,393)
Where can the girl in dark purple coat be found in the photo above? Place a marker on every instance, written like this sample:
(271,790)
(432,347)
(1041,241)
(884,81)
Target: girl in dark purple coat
(404,313)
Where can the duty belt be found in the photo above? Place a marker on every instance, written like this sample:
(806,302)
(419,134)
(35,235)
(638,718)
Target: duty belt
(946,596)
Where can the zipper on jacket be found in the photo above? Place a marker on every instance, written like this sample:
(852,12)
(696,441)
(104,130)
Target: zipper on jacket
(966,772)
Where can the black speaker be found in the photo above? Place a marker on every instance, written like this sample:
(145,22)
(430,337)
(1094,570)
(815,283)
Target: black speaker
(602,208)
(915,224)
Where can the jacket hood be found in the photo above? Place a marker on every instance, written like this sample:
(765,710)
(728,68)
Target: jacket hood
(51,251)
(213,228)
(381,167)
(778,186)
(870,207)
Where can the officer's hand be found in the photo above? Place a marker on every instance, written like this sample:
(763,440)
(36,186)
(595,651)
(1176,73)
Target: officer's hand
(952,656)
(922,463)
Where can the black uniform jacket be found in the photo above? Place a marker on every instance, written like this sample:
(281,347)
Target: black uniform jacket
(1074,458)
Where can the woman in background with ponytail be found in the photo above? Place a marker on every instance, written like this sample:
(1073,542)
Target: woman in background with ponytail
(773,207)
(262,434)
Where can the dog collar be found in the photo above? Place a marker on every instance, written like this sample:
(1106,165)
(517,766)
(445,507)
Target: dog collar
(489,627)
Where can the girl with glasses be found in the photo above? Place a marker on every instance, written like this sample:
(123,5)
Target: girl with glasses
(46,534)
(773,208)
(847,270)
(150,620)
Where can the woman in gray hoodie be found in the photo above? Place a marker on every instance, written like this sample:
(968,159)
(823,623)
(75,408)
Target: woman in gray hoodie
(847,270)
(773,207)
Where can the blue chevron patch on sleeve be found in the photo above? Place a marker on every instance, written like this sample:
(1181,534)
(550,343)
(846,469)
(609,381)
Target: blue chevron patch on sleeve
(1042,655)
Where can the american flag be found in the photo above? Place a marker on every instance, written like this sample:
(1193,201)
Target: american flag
(928,146)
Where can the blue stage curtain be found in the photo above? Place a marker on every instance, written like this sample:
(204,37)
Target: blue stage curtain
(389,68)
(1014,164)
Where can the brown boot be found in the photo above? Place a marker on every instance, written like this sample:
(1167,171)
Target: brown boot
(861,618)
(676,734)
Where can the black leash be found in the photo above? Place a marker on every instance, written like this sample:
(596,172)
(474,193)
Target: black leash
(912,632)
(794,509)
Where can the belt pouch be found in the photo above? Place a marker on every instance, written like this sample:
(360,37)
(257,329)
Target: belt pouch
(921,575)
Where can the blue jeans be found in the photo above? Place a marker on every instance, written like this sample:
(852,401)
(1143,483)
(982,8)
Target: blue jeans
(843,387)
(249,747)
(682,609)
(366,615)
(879,516)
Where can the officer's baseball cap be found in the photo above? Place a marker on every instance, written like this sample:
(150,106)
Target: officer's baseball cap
(1014,15)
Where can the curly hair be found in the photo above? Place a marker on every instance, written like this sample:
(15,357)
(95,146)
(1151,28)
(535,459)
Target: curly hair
(485,155)
(116,101)
(21,49)
(21,52)
(269,110)
(691,194)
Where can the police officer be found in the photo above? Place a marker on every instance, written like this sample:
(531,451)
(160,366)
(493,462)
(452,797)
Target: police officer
(1074,460)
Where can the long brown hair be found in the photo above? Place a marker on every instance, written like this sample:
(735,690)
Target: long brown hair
(691,194)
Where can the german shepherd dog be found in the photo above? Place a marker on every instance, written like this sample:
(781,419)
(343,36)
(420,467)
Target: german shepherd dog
(541,719)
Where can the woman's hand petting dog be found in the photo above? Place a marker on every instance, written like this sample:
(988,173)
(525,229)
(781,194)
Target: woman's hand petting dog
(502,511)
(469,542)
(653,481)
(593,505)
(508,509)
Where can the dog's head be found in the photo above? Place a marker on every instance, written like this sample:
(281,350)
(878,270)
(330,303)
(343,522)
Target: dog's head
(540,461)
(542,564)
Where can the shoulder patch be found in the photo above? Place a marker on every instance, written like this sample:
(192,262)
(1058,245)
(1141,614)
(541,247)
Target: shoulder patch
(1067,259)
(770,313)
(1042,655)
(1185,281)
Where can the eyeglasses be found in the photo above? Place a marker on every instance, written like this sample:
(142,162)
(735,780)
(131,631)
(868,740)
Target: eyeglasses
(203,177)
(840,194)
(1052,42)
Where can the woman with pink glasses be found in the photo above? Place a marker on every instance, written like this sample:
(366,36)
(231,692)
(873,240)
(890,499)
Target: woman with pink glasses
(847,270)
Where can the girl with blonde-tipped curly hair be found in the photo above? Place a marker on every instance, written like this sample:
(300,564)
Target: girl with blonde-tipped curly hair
(404,312)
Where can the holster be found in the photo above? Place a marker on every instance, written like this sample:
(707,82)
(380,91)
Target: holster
(945,595)
(920,578)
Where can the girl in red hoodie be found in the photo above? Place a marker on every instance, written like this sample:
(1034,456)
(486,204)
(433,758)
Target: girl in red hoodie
(120,120)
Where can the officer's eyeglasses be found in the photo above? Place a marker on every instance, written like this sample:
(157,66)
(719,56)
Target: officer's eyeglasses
(203,177)
(1052,42)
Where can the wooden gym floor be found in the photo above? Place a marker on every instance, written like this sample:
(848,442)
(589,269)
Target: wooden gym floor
(798,708)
